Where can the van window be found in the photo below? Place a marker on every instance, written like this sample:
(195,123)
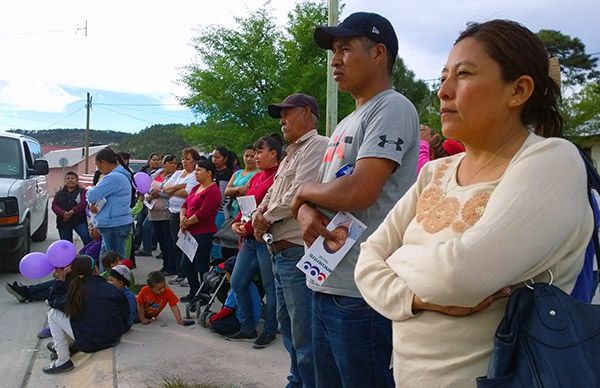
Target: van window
(10,158)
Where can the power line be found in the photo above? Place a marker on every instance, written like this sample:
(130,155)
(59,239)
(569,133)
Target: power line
(106,104)
(128,115)
(45,32)
(66,117)
(156,113)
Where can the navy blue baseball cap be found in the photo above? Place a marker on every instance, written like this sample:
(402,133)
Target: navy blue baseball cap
(371,25)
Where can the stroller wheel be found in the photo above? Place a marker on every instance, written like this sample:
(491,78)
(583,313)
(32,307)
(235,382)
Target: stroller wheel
(203,318)
(187,311)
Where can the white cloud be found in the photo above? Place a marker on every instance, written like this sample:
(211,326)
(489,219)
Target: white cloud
(138,47)
(34,96)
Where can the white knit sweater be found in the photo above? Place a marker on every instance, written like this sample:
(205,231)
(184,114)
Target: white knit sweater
(455,245)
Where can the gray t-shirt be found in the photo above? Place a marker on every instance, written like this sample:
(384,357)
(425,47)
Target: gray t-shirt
(386,126)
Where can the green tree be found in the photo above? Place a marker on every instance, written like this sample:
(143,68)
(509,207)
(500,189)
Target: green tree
(245,68)
(576,65)
(417,91)
(238,71)
(582,111)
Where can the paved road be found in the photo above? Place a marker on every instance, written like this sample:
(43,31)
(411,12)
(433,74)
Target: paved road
(144,358)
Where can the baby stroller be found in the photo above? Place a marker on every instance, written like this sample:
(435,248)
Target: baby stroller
(214,287)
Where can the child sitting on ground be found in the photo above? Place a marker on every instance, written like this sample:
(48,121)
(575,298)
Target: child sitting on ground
(88,313)
(153,298)
(109,260)
(225,322)
(119,276)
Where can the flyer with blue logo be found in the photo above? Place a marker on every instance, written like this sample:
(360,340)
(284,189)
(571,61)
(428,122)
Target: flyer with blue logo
(324,255)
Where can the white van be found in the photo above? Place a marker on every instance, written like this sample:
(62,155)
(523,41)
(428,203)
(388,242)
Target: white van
(23,197)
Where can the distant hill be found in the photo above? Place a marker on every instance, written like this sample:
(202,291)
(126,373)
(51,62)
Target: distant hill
(74,137)
(164,139)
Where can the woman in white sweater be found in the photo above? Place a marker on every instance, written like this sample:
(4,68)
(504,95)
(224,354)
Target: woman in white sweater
(510,208)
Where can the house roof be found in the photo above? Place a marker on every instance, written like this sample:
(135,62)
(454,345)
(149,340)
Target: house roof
(72,155)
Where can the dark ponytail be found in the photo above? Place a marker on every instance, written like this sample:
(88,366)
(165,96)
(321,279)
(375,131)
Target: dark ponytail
(81,270)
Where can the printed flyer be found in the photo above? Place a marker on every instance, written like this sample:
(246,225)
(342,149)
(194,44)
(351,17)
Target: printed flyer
(323,256)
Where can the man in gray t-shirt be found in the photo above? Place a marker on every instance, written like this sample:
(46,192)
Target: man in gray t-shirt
(380,141)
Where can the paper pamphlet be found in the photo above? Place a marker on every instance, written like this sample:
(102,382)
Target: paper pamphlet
(323,256)
(99,205)
(188,244)
(149,203)
(247,206)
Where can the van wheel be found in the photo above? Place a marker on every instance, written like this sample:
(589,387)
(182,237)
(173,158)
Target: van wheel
(11,262)
(42,232)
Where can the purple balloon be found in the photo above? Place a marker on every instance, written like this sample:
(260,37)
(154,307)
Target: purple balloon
(61,253)
(35,265)
(142,182)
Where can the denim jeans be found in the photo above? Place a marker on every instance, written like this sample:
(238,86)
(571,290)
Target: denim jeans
(113,239)
(200,264)
(352,343)
(40,291)
(294,309)
(66,233)
(148,236)
(163,235)
(252,258)
(174,226)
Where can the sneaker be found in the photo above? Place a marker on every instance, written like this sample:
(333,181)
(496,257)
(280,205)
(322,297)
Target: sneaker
(264,340)
(19,292)
(186,299)
(166,273)
(53,369)
(44,333)
(184,283)
(139,252)
(177,280)
(240,336)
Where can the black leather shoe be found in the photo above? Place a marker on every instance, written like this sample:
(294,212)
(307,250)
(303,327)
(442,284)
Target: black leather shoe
(53,370)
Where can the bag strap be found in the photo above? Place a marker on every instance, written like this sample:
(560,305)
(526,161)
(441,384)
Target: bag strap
(593,180)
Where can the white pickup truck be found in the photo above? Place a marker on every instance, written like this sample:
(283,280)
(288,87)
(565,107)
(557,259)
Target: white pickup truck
(23,197)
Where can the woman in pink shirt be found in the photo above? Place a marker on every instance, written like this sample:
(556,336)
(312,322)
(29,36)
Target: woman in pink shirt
(254,256)
(197,216)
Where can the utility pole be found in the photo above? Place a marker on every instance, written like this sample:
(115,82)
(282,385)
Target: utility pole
(332,91)
(88,107)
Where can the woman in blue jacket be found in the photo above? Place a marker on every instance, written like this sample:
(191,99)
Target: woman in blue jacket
(87,315)
(110,202)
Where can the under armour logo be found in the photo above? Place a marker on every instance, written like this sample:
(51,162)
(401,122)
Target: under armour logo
(375,30)
(385,141)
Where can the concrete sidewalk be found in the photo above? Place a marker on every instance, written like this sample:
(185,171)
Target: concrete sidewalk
(150,353)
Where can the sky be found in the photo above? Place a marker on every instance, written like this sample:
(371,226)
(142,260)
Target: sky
(134,51)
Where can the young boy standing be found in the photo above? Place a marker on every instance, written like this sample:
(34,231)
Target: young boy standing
(153,298)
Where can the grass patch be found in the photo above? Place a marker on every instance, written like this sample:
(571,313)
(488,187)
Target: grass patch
(179,382)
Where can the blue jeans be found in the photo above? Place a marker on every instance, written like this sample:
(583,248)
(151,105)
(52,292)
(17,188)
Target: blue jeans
(148,236)
(178,254)
(352,343)
(66,233)
(252,258)
(216,251)
(200,264)
(113,239)
(40,291)
(163,235)
(294,309)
